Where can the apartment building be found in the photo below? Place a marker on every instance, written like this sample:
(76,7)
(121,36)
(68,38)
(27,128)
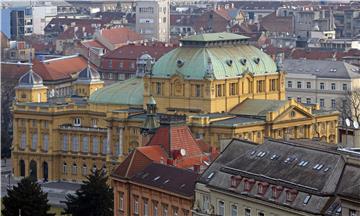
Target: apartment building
(320,81)
(273,179)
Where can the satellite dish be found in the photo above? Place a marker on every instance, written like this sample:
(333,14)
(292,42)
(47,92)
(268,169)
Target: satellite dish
(356,124)
(347,121)
(183,152)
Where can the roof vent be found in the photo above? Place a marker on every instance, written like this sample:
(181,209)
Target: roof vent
(229,62)
(179,63)
(243,61)
(257,60)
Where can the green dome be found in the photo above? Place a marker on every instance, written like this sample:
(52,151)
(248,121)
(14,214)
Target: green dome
(227,55)
(129,92)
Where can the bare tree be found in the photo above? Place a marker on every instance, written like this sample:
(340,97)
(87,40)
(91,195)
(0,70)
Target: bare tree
(349,105)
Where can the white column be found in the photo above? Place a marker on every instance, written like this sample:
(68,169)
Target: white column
(108,141)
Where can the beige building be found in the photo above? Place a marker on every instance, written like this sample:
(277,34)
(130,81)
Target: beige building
(280,178)
(153,19)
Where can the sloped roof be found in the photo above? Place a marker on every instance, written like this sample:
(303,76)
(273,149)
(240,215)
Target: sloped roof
(277,163)
(273,23)
(128,92)
(169,178)
(257,107)
(120,35)
(321,68)
(12,71)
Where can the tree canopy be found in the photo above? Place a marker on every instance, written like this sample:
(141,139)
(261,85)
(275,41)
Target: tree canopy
(26,197)
(94,198)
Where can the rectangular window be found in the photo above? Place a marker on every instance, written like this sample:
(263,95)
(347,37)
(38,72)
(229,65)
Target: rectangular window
(322,103)
(289,84)
(23,140)
(345,87)
(146,208)
(136,206)
(261,214)
(121,65)
(219,90)
(110,64)
(95,145)
(322,86)
(74,169)
(234,210)
(298,99)
(333,103)
(197,90)
(65,143)
(273,85)
(158,88)
(333,86)
(34,141)
(206,202)
(308,85)
(84,170)
(233,89)
(165,210)
(104,146)
(45,142)
(155,209)
(221,208)
(308,100)
(352,212)
(85,143)
(75,143)
(121,201)
(260,86)
(247,212)
(299,85)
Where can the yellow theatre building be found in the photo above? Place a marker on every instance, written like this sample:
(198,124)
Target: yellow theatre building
(223,86)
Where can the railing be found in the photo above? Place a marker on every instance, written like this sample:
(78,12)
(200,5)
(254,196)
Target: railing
(92,129)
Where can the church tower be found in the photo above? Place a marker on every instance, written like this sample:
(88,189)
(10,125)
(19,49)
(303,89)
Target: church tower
(31,88)
(87,82)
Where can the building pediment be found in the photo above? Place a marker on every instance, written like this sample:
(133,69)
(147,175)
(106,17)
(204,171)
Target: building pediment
(292,113)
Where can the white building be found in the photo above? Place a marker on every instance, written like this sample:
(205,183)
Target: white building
(42,15)
(153,19)
(320,81)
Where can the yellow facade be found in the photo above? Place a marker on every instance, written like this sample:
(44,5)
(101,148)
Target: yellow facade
(37,94)
(65,140)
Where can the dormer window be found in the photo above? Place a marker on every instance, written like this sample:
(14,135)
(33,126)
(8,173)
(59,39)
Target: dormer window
(290,195)
(243,61)
(276,191)
(248,184)
(262,187)
(77,122)
(257,60)
(235,181)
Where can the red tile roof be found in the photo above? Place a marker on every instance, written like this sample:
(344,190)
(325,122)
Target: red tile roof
(120,35)
(59,69)
(312,54)
(224,13)
(134,51)
(273,23)
(93,43)
(154,153)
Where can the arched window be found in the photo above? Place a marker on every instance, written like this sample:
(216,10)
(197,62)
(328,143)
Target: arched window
(84,169)
(74,169)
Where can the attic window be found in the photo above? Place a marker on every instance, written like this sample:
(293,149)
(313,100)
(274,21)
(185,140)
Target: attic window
(243,61)
(257,60)
(182,186)
(303,163)
(307,199)
(179,63)
(156,178)
(229,62)
(211,175)
(166,181)
(333,70)
(253,152)
(290,195)
(235,181)
(274,157)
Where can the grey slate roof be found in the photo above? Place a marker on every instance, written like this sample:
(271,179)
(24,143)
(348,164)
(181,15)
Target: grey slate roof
(277,163)
(321,68)
(169,178)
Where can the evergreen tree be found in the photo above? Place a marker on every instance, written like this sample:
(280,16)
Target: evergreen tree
(26,197)
(94,198)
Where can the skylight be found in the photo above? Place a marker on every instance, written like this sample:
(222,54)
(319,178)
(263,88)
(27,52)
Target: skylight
(307,199)
(166,181)
(156,178)
(210,175)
